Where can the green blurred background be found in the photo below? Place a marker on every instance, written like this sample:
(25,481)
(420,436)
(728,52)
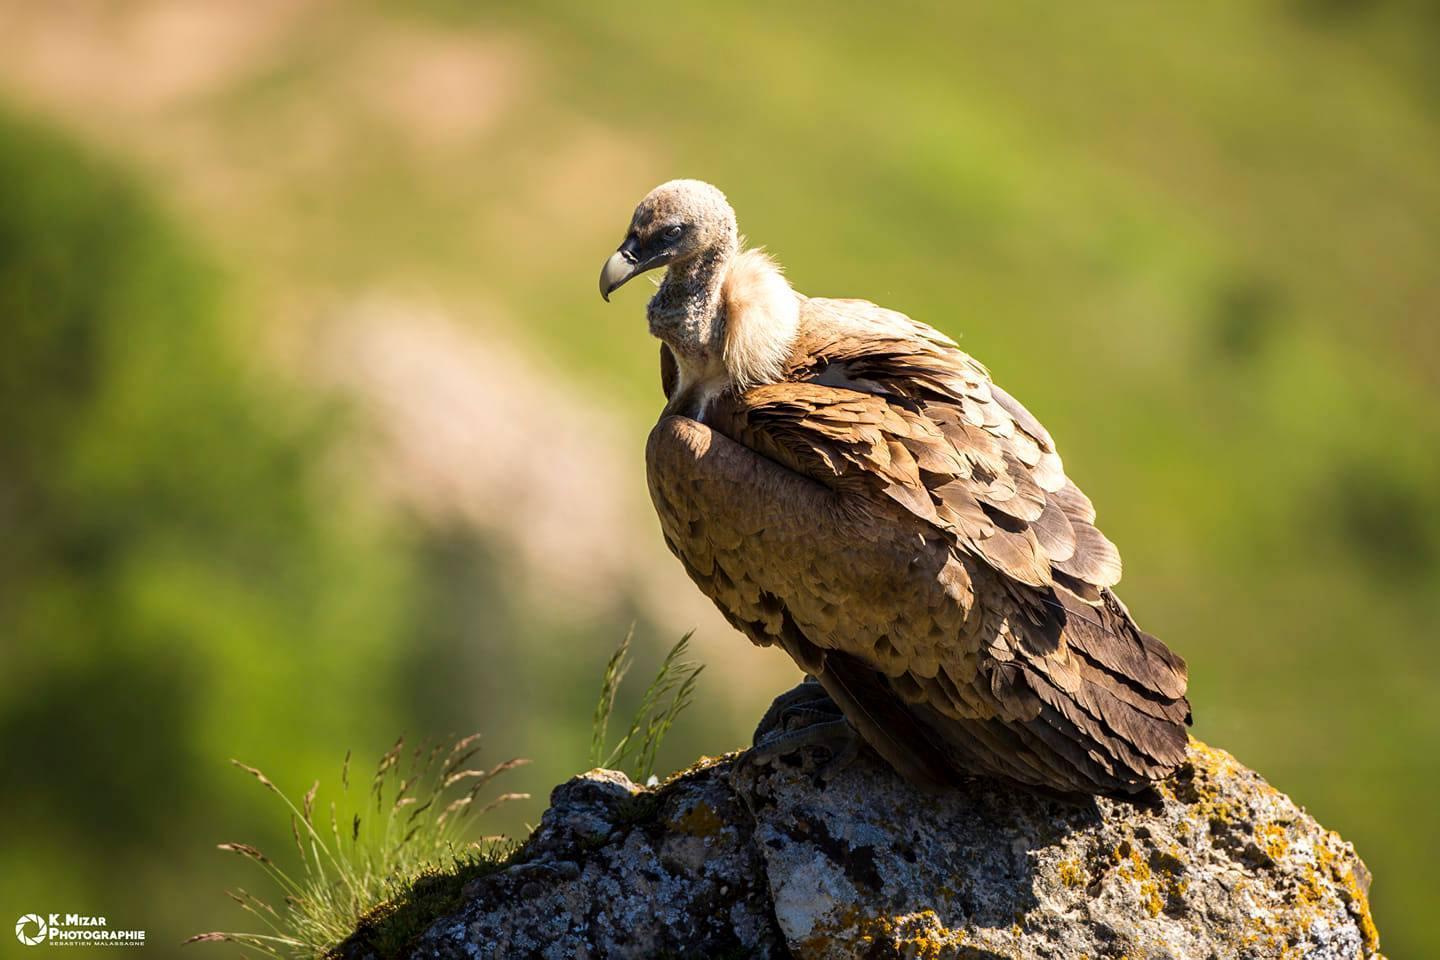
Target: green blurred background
(314,431)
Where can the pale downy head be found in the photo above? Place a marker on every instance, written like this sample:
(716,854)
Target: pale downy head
(727,317)
(677,222)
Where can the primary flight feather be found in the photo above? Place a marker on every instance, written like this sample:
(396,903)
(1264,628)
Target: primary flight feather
(848,485)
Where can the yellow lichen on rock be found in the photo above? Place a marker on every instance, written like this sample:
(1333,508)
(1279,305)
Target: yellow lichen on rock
(1071,873)
(701,820)
(1272,838)
(915,936)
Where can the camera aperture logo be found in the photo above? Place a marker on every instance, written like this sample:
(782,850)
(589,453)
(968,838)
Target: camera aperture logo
(73,930)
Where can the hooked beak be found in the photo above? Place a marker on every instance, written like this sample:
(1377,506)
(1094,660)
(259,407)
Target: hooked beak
(619,268)
(625,264)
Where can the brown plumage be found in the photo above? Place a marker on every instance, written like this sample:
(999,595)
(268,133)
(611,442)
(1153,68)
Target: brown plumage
(846,484)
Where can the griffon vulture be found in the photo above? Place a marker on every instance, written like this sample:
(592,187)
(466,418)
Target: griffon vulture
(846,484)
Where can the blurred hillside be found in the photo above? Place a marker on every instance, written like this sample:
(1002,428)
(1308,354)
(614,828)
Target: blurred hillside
(315,431)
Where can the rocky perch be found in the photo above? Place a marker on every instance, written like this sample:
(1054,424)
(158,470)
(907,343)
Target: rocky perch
(732,860)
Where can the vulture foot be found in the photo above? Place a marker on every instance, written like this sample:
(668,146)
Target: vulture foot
(800,719)
(807,700)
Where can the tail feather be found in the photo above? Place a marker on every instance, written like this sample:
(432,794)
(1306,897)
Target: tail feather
(1108,636)
(1116,731)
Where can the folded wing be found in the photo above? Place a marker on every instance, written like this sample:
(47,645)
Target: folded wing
(891,513)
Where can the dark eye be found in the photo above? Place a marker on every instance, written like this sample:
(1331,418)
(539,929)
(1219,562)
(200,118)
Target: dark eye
(674,232)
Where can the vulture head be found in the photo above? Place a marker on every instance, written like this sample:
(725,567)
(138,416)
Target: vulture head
(677,223)
(727,317)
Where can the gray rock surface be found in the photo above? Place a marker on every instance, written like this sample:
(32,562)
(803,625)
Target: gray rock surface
(732,860)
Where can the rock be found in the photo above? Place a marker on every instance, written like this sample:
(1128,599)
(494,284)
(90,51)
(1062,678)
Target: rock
(730,859)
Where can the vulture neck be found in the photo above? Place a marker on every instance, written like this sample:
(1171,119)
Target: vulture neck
(685,311)
(729,318)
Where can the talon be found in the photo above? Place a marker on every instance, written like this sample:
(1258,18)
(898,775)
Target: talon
(836,737)
(806,700)
(801,718)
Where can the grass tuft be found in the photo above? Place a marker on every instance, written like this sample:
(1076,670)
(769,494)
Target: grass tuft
(667,696)
(391,866)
